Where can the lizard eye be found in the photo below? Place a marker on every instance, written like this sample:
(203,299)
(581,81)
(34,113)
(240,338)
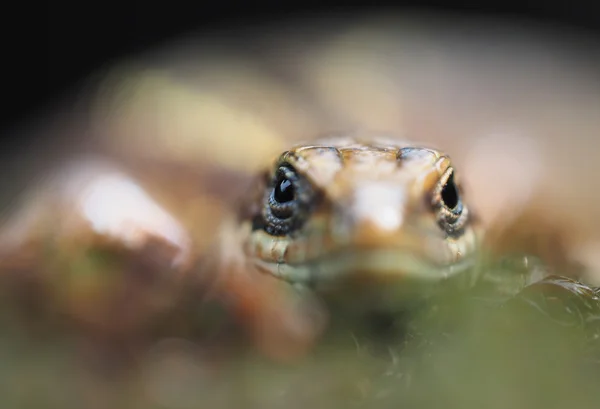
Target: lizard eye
(451,213)
(288,200)
(449,194)
(284,190)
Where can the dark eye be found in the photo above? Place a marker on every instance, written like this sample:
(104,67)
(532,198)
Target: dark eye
(288,200)
(450,193)
(451,213)
(284,190)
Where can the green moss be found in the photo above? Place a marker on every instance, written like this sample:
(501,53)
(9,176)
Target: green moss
(457,351)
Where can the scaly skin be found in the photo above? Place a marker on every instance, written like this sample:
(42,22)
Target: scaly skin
(362,220)
(369,217)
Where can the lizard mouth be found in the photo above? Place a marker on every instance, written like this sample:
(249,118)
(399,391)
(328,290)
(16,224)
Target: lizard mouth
(386,266)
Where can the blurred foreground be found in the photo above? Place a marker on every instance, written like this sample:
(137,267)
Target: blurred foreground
(175,137)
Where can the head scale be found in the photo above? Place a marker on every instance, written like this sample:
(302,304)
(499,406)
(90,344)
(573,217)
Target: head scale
(346,209)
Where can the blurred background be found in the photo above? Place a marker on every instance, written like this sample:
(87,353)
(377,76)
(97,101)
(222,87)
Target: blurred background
(186,95)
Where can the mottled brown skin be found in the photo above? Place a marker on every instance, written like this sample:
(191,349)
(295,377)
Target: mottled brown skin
(371,219)
(360,196)
(366,211)
(335,245)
